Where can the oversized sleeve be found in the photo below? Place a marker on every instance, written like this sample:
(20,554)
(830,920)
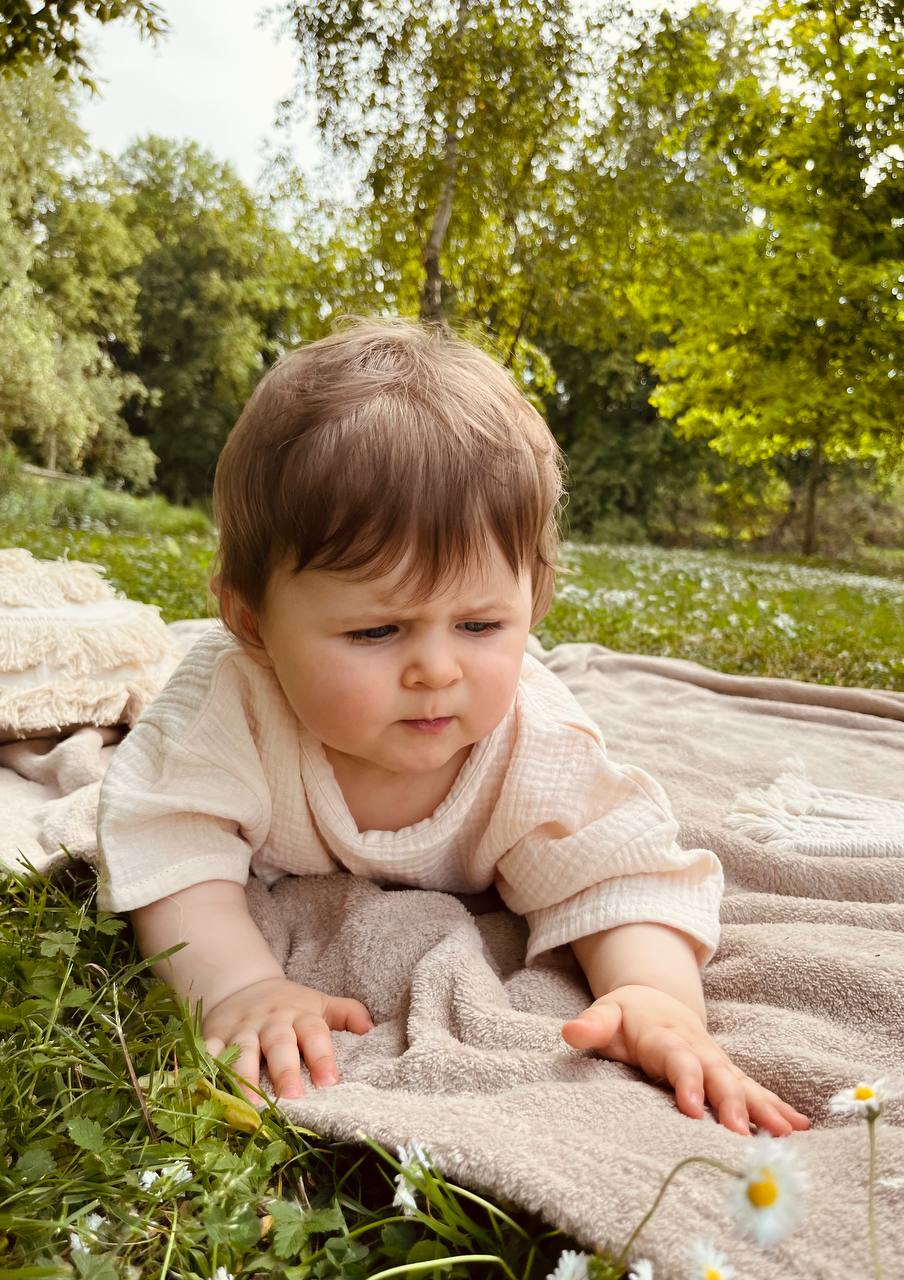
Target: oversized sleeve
(185,798)
(599,849)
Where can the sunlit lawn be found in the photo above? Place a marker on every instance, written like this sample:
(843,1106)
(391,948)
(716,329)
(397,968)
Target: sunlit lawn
(726,610)
(735,613)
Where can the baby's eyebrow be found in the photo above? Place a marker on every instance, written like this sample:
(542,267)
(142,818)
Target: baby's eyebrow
(376,609)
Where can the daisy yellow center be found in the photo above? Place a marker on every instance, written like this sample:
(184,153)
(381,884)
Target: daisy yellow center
(763,1192)
(712,1274)
(863,1092)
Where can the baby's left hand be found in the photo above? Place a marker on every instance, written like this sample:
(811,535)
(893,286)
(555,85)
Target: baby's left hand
(656,1032)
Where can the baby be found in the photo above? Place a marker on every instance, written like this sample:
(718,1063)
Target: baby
(386,508)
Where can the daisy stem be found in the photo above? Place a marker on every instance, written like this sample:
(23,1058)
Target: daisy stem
(871,1203)
(413,1268)
(716,1164)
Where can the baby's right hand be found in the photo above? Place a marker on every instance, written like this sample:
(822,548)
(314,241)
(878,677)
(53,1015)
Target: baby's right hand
(275,1018)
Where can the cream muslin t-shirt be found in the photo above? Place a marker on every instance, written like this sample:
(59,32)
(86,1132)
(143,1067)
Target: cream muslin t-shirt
(218,777)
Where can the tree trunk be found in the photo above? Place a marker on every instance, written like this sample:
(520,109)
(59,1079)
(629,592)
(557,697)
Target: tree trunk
(525,312)
(809,542)
(50,452)
(432,294)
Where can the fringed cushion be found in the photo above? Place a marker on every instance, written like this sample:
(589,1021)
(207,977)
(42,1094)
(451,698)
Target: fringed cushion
(72,650)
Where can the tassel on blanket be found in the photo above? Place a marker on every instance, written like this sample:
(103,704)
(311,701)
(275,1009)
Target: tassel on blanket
(114,698)
(83,641)
(72,649)
(26,582)
(796,814)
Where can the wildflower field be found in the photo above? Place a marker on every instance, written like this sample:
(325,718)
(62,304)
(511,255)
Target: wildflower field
(759,616)
(128,1152)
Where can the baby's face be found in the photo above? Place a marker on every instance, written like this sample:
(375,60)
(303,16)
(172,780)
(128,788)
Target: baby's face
(403,688)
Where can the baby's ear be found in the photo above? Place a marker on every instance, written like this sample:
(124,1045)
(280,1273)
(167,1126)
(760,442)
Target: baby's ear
(241,621)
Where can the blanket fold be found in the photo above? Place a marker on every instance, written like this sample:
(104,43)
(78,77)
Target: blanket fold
(806,991)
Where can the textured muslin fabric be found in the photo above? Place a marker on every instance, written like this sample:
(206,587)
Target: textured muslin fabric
(219,777)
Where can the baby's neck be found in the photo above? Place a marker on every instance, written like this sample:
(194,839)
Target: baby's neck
(382,801)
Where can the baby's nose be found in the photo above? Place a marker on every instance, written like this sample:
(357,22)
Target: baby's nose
(435,665)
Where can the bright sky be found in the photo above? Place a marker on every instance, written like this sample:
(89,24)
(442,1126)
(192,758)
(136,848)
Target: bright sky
(215,77)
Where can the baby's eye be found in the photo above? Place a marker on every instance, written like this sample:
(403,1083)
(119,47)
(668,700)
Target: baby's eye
(372,633)
(484,627)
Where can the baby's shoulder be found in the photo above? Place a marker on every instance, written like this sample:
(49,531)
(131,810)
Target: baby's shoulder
(549,711)
(215,688)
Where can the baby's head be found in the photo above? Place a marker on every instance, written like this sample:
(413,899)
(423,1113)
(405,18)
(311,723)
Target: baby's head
(386,507)
(387,444)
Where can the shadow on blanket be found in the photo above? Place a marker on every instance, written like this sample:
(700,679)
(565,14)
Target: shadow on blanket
(806,991)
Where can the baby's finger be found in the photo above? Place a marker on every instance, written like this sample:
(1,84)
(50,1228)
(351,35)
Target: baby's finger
(215,1046)
(768,1112)
(344,1014)
(663,1055)
(279,1045)
(725,1091)
(248,1063)
(767,1117)
(684,1072)
(795,1118)
(595,1027)
(317,1046)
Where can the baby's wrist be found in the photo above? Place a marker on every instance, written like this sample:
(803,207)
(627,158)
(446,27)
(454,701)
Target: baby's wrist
(228,985)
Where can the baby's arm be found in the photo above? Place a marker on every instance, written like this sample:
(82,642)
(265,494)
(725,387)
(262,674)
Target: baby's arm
(650,1012)
(246,998)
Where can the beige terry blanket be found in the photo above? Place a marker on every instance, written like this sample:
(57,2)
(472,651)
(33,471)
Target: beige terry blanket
(806,991)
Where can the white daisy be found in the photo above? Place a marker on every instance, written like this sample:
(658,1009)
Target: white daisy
(93,1222)
(76,1243)
(766,1202)
(414,1160)
(894,1183)
(708,1263)
(177,1172)
(864,1099)
(571,1266)
(222,1274)
(641,1270)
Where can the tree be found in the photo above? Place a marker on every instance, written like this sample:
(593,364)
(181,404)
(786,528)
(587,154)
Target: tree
(780,339)
(31,36)
(59,389)
(458,113)
(222,290)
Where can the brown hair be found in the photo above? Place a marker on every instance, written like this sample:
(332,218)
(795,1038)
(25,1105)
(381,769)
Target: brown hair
(381,439)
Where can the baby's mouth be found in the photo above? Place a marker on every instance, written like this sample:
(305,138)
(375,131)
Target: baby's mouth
(429,726)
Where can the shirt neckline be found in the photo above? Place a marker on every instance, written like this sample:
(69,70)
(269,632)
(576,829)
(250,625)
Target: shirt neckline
(321,786)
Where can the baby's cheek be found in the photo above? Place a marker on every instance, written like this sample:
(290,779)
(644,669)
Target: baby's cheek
(345,698)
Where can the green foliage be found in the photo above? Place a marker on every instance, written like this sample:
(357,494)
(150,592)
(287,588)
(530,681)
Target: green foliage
(50,32)
(781,336)
(462,114)
(80,504)
(220,291)
(61,392)
(122,1152)
(715,195)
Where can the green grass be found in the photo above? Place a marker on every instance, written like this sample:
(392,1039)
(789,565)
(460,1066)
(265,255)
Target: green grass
(106,1081)
(760,616)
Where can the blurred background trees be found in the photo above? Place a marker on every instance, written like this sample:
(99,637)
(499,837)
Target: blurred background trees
(683,234)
